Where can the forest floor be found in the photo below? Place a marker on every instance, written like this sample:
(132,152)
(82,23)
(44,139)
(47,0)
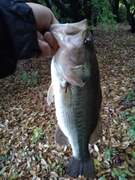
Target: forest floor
(27,123)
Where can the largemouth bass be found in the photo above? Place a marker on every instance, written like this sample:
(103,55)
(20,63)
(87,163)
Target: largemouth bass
(76,91)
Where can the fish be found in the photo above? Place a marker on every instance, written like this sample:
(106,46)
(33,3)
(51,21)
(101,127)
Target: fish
(76,91)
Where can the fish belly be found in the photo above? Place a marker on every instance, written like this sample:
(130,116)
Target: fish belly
(77,111)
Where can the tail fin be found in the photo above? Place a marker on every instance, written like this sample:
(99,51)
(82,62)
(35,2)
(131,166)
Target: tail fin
(81,167)
(60,137)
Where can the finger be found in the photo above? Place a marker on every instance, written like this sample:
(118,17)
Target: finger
(40,36)
(45,50)
(50,39)
(55,21)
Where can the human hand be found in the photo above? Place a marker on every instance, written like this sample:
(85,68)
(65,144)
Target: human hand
(44,17)
(47,45)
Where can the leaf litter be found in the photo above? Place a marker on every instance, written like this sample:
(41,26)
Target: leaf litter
(27,123)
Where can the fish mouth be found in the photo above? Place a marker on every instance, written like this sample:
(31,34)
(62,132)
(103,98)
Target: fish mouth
(64,32)
(78,26)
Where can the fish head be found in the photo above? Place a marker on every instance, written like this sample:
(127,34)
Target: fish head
(72,59)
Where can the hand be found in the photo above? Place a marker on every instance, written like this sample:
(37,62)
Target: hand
(47,44)
(44,17)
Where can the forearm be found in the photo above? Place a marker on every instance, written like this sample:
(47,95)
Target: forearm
(18,38)
(26,32)
(20,23)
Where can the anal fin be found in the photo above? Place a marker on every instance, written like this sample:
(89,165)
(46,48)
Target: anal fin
(60,137)
(96,135)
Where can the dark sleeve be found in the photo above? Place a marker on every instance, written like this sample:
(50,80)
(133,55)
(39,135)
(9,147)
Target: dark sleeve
(18,38)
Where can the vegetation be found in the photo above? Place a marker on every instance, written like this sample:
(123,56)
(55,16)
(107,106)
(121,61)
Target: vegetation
(37,134)
(96,11)
(29,78)
(130,8)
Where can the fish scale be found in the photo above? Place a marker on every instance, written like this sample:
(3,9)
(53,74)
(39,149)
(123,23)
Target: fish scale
(79,118)
(77,95)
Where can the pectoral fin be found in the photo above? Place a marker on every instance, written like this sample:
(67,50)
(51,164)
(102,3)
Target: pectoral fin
(60,137)
(96,135)
(50,95)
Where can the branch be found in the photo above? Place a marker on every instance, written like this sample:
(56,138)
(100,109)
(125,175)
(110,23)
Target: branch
(129,16)
(111,3)
(133,13)
(62,7)
(126,3)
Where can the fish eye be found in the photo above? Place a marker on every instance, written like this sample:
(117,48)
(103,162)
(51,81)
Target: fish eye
(87,41)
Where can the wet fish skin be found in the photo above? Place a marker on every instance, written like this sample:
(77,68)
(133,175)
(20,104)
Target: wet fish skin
(84,122)
(77,111)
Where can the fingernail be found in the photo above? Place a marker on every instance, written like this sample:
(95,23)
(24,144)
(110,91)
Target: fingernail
(48,36)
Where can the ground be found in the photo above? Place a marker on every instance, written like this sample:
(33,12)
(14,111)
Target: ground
(27,123)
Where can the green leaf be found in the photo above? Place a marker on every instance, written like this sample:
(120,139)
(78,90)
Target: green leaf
(127,172)
(15,176)
(29,78)
(4,158)
(130,95)
(122,177)
(96,162)
(59,169)
(131,119)
(33,139)
(132,131)
(37,134)
(133,153)
(53,165)
(103,177)
(67,5)
(109,153)
(115,172)
(2,170)
(124,114)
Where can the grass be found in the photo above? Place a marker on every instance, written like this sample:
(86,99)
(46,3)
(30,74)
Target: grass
(29,78)
(109,153)
(37,134)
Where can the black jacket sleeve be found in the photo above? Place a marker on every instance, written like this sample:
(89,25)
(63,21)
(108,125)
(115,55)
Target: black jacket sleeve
(18,38)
